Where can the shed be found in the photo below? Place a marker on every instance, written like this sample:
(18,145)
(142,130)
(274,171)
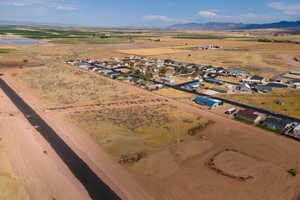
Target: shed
(212,103)
(193,85)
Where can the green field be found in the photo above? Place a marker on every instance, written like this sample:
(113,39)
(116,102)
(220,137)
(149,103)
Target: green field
(6,50)
(270,40)
(41,33)
(90,41)
(204,36)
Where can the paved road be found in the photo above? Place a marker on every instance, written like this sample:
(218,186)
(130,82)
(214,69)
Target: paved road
(96,188)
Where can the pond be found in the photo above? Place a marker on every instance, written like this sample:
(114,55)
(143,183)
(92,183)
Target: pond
(17,41)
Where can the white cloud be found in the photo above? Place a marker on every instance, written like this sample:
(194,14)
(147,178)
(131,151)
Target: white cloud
(206,13)
(56,4)
(160,18)
(287,9)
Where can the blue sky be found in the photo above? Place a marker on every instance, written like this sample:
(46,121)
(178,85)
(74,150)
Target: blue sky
(148,12)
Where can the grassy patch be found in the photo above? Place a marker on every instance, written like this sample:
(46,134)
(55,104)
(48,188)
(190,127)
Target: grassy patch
(199,36)
(268,101)
(61,85)
(135,129)
(6,50)
(205,37)
(270,40)
(90,41)
(279,132)
(244,121)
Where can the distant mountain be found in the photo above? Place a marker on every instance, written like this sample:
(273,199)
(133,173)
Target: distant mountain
(29,23)
(282,24)
(207,26)
(230,26)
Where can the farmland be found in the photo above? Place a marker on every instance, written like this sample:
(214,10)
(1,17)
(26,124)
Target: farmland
(3,50)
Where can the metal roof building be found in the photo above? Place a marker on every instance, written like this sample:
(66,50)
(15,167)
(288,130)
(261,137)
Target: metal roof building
(212,103)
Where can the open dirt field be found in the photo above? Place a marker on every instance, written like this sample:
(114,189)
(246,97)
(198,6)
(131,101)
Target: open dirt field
(10,186)
(153,51)
(147,150)
(138,129)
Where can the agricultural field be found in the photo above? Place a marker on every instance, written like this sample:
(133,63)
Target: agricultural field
(90,41)
(6,50)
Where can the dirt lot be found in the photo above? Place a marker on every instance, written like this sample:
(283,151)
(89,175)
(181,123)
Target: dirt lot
(10,186)
(152,52)
(173,164)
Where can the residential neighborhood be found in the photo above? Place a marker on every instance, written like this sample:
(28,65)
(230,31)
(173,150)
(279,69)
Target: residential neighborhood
(154,74)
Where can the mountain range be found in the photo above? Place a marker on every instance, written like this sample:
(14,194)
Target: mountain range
(231,26)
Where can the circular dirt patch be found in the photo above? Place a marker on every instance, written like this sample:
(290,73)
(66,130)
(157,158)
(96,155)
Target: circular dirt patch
(235,165)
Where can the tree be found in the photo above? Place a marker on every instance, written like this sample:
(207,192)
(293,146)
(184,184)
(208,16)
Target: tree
(148,75)
(183,70)
(293,172)
(162,71)
(137,73)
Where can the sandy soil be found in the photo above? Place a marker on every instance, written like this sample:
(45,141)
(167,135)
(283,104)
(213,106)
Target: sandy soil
(35,163)
(153,51)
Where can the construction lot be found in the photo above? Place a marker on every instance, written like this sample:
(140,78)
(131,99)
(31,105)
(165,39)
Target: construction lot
(173,150)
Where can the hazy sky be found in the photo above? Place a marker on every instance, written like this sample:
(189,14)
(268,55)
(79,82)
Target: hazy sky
(148,12)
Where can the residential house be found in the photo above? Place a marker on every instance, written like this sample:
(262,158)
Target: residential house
(168,80)
(297,132)
(213,81)
(248,115)
(277,79)
(292,75)
(243,87)
(221,90)
(254,79)
(263,89)
(277,85)
(211,103)
(237,72)
(276,124)
(193,85)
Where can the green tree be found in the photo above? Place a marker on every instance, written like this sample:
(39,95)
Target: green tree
(148,75)
(162,71)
